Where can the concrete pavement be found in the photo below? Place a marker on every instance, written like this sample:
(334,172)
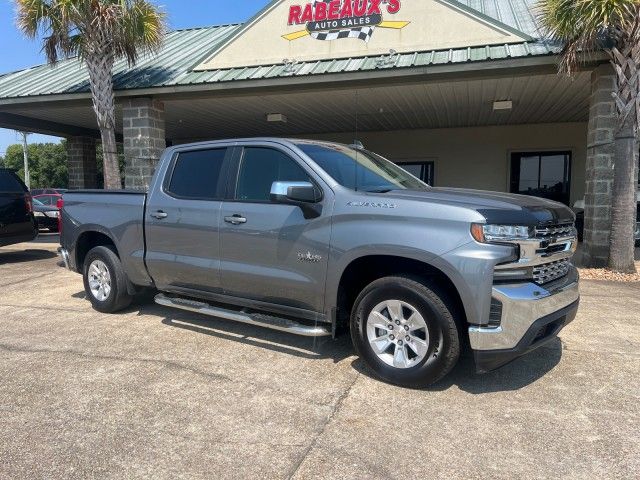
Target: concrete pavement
(161,393)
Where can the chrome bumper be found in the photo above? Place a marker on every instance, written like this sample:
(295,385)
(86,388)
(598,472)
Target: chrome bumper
(64,255)
(522,305)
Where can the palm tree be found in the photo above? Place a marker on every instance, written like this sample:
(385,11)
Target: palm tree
(612,26)
(98,32)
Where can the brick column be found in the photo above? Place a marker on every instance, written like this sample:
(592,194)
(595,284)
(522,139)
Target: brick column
(600,160)
(81,162)
(144,140)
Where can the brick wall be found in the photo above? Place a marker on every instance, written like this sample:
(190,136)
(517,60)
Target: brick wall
(600,160)
(144,140)
(82,167)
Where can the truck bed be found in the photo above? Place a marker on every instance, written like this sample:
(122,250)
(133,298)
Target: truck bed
(118,214)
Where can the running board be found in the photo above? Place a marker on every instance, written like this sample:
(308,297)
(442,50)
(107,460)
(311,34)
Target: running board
(257,319)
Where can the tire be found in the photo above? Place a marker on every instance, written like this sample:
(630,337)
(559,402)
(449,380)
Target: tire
(427,354)
(116,298)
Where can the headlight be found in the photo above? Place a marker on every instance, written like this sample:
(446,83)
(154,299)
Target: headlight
(51,214)
(499,233)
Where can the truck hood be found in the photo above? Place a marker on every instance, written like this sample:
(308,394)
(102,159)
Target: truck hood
(496,207)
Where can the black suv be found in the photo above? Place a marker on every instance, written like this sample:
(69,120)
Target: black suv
(17,223)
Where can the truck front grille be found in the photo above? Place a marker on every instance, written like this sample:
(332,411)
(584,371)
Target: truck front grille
(551,271)
(556,231)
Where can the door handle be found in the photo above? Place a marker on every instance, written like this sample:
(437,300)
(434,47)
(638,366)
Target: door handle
(235,219)
(159,214)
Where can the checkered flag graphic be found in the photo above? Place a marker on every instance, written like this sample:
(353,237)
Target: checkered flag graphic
(363,33)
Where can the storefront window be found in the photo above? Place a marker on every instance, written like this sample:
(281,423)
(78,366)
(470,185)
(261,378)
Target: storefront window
(422,170)
(542,174)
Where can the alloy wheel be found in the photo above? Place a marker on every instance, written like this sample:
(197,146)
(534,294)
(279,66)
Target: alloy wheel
(99,280)
(398,334)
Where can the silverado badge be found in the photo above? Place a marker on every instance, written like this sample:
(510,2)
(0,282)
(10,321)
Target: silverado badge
(309,257)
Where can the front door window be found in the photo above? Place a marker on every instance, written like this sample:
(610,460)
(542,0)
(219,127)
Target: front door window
(542,174)
(261,167)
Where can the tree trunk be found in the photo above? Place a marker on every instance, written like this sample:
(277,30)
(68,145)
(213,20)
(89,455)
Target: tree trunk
(623,209)
(101,83)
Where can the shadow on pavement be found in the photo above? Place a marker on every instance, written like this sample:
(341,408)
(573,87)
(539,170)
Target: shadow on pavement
(513,376)
(303,347)
(29,255)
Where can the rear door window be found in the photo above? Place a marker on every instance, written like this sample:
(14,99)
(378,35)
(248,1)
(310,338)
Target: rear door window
(10,183)
(197,175)
(261,167)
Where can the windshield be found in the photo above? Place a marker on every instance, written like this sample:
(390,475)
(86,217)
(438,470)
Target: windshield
(359,169)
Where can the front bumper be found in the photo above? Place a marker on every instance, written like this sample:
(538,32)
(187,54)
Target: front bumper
(531,316)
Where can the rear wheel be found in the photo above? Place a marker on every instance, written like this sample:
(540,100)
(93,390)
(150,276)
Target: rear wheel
(405,331)
(105,281)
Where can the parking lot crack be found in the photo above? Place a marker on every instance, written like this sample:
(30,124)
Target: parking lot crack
(334,410)
(165,363)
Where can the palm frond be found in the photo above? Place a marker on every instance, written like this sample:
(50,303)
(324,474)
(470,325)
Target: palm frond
(31,16)
(143,29)
(581,24)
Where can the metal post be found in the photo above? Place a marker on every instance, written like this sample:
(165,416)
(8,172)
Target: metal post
(27,180)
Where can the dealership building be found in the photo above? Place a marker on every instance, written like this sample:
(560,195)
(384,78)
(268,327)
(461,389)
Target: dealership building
(463,93)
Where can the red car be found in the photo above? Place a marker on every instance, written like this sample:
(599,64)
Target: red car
(49,199)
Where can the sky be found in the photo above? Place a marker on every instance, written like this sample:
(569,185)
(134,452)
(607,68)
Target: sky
(19,52)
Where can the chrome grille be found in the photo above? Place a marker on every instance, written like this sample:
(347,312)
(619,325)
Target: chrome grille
(551,231)
(551,271)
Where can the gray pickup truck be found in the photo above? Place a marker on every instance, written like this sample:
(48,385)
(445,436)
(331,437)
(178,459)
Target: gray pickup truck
(313,237)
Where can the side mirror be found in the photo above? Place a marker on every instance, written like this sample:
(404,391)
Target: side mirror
(302,194)
(294,192)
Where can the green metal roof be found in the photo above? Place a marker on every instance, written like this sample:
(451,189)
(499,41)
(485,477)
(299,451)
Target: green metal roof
(518,14)
(185,49)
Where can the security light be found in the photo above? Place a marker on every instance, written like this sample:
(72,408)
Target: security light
(276,118)
(503,105)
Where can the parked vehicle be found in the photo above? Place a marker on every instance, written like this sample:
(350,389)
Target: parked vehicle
(46,215)
(17,223)
(578,208)
(309,237)
(50,199)
(48,191)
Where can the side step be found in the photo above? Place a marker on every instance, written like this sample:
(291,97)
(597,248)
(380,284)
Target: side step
(258,319)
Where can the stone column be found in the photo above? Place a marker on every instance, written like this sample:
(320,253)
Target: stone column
(83,172)
(600,160)
(144,140)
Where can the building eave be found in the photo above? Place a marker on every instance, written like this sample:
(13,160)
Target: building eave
(510,66)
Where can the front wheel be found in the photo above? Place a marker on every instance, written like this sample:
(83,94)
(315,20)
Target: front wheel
(404,329)
(105,282)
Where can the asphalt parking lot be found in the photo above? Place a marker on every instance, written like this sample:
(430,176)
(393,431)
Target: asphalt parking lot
(160,393)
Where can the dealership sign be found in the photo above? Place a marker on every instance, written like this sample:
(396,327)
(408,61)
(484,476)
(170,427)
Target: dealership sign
(336,19)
